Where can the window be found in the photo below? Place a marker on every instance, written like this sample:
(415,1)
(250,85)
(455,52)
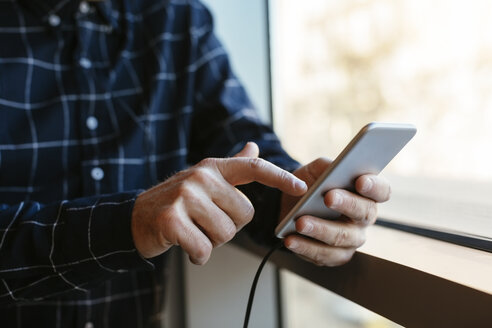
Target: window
(338,65)
(341,64)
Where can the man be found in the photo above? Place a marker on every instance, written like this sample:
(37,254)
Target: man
(123,132)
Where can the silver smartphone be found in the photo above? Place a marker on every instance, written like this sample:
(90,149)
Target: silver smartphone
(368,153)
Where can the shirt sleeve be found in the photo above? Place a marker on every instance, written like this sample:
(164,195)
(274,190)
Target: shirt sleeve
(49,249)
(225,119)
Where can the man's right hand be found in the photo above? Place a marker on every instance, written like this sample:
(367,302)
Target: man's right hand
(200,208)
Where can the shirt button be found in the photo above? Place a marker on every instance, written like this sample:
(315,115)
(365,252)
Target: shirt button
(91,123)
(54,20)
(89,325)
(84,7)
(97,173)
(85,63)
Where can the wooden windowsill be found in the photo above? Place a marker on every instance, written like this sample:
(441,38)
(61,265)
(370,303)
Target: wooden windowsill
(462,265)
(412,280)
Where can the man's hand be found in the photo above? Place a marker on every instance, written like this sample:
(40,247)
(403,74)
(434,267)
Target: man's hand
(333,242)
(199,208)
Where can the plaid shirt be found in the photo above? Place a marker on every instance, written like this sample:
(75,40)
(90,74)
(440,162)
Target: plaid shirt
(97,102)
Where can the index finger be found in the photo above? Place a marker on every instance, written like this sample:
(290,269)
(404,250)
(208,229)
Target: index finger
(243,170)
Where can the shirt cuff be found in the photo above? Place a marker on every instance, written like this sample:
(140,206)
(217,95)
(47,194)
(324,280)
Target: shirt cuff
(96,233)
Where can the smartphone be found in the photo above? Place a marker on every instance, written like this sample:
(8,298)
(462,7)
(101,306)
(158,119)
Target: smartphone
(368,153)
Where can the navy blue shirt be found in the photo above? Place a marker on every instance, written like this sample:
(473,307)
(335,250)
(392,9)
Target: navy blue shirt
(99,101)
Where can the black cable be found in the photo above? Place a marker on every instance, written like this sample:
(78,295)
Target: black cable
(255,282)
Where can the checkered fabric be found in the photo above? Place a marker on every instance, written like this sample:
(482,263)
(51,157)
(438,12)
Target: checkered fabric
(99,101)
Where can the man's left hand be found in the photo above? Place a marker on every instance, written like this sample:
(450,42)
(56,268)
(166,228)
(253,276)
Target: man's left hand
(333,242)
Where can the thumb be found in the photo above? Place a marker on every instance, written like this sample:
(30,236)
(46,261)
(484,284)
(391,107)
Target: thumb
(250,150)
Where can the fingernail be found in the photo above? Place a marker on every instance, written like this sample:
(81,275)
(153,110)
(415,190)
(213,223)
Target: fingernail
(293,245)
(308,227)
(367,185)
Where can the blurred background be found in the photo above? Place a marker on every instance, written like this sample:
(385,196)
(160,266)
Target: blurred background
(338,65)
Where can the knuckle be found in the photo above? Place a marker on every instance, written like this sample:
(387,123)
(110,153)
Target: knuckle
(171,219)
(226,234)
(169,226)
(185,190)
(201,175)
(249,212)
(284,176)
(229,233)
(223,233)
(318,258)
(245,214)
(256,163)
(207,162)
(353,205)
(340,237)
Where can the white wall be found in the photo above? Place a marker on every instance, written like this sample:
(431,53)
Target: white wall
(242,27)
(217,293)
